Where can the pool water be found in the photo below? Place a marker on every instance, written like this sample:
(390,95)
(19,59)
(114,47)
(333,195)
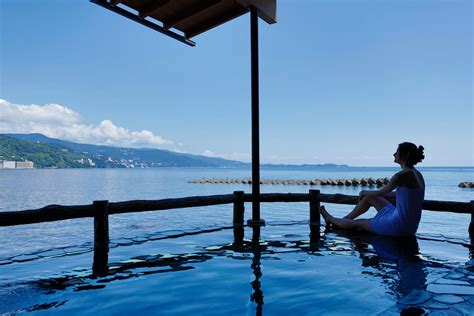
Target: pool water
(212,270)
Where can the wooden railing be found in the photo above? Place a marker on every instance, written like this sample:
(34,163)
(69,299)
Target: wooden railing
(100,211)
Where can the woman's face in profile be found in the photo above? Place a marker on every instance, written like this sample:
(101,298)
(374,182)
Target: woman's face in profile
(396,155)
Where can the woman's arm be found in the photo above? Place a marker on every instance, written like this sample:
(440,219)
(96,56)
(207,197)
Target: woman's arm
(386,190)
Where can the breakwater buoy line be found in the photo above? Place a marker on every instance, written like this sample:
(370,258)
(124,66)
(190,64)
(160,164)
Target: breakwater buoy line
(364,182)
(370,182)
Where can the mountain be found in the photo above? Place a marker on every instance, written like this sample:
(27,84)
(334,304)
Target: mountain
(118,157)
(43,156)
(48,152)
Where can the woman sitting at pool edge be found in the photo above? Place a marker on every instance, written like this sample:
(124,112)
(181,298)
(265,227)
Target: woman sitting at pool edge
(401,220)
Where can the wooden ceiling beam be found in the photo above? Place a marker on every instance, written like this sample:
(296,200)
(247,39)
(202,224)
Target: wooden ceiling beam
(190,12)
(214,22)
(152,7)
(136,18)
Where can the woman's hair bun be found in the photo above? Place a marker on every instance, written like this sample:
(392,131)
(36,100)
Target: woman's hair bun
(421,153)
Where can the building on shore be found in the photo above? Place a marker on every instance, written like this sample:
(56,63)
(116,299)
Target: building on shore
(24,164)
(88,161)
(7,164)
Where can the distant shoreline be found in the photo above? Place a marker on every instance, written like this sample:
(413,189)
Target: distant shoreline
(49,153)
(275,168)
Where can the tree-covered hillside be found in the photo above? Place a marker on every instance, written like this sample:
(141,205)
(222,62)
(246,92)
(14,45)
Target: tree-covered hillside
(119,157)
(43,156)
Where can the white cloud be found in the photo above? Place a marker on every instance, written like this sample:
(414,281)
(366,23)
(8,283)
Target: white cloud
(57,121)
(179,151)
(208,153)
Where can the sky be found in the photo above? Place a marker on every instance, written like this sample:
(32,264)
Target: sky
(341,81)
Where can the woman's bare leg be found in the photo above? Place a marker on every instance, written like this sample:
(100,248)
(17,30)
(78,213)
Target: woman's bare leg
(345,223)
(364,204)
(361,207)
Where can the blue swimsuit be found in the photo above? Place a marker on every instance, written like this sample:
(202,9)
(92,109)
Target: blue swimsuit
(402,220)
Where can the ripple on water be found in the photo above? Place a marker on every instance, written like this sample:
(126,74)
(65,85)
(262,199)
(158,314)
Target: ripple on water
(449,299)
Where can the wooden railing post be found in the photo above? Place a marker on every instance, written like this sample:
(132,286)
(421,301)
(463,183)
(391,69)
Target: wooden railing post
(101,223)
(101,238)
(314,204)
(239,208)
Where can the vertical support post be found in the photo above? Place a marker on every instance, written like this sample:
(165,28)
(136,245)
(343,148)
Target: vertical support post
(314,237)
(239,233)
(314,204)
(239,208)
(101,238)
(255,120)
(255,235)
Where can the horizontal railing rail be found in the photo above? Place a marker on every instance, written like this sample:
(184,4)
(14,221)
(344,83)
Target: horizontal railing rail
(52,213)
(61,212)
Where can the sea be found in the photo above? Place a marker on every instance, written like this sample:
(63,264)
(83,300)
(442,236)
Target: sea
(35,188)
(47,251)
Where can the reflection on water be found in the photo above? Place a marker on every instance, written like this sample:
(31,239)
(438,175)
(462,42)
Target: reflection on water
(257,295)
(404,251)
(395,262)
(401,251)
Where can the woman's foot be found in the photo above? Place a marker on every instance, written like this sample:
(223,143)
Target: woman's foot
(325,214)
